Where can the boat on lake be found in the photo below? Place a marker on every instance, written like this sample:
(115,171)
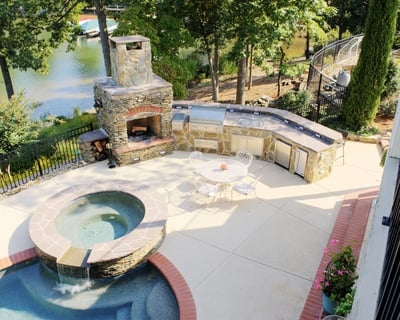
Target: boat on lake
(90,27)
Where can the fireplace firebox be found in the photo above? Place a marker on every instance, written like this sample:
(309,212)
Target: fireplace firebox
(144,128)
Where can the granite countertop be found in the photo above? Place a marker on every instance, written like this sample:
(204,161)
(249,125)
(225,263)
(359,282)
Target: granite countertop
(292,127)
(282,129)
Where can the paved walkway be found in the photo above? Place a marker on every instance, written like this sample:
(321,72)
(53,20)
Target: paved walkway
(250,258)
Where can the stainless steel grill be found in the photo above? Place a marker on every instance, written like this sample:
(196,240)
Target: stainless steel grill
(208,119)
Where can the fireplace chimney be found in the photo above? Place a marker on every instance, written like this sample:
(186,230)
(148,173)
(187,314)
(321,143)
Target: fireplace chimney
(131,60)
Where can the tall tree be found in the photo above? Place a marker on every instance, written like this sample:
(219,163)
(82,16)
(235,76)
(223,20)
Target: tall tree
(250,29)
(161,22)
(29,29)
(102,21)
(207,21)
(16,126)
(269,25)
(350,16)
(362,99)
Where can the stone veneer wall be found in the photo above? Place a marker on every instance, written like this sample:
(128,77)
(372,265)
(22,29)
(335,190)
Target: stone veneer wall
(120,105)
(131,67)
(319,165)
(120,266)
(107,268)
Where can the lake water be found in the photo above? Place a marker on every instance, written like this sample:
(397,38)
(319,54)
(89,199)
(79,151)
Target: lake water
(69,82)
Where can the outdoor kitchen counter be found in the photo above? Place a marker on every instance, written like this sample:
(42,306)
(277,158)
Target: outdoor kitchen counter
(297,129)
(300,145)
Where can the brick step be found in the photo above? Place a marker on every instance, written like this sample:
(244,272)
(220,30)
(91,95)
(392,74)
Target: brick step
(356,228)
(349,229)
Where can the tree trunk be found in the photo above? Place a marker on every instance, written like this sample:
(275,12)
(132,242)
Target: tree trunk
(241,81)
(102,20)
(308,54)
(280,71)
(250,64)
(216,70)
(6,76)
(212,71)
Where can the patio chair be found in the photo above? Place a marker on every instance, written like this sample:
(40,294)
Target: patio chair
(196,158)
(205,191)
(245,157)
(341,145)
(245,187)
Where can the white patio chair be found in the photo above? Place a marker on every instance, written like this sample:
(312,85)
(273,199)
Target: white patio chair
(205,191)
(245,187)
(196,159)
(245,157)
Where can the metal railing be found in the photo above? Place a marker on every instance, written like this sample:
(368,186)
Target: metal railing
(39,158)
(326,95)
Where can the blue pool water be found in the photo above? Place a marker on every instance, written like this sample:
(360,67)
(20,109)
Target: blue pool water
(99,217)
(28,292)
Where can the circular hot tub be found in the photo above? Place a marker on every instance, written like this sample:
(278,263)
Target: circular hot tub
(99,217)
(103,228)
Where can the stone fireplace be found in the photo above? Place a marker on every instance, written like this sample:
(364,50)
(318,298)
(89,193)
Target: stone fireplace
(134,106)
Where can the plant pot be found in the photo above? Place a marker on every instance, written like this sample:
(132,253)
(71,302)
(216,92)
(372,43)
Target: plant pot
(328,305)
(333,317)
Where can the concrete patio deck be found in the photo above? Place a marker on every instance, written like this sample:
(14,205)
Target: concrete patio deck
(249,258)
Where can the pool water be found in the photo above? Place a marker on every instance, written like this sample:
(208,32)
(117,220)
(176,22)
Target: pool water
(28,292)
(99,217)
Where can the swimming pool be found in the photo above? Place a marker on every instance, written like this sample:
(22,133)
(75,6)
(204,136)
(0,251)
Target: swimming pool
(29,291)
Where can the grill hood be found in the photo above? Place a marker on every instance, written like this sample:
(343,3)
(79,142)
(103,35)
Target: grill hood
(207,115)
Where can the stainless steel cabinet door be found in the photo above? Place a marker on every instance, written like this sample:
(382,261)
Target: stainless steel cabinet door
(282,153)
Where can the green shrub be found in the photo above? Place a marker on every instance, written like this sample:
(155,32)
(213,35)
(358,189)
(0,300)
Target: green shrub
(297,102)
(387,108)
(392,80)
(177,72)
(227,67)
(58,125)
(344,306)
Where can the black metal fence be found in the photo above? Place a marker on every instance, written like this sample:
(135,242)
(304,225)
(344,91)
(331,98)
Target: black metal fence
(39,158)
(326,94)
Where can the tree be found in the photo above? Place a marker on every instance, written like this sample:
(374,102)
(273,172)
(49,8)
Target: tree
(157,21)
(30,29)
(105,46)
(101,13)
(207,21)
(269,26)
(160,22)
(362,98)
(351,16)
(16,126)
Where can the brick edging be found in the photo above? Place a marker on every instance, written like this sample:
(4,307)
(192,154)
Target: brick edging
(187,307)
(16,258)
(349,229)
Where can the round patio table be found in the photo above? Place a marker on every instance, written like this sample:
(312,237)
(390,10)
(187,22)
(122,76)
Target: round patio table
(212,171)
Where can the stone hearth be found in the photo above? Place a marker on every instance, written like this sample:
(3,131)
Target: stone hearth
(134,105)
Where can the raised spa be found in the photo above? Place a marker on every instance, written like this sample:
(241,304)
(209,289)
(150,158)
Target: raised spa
(99,217)
(103,228)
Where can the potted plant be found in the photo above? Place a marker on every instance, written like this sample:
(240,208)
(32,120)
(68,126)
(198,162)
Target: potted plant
(343,308)
(338,279)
